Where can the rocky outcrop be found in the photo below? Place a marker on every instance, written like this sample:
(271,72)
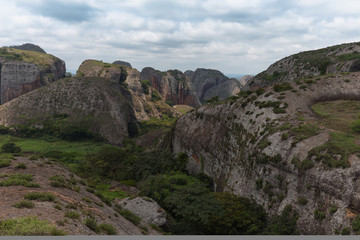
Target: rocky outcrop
(123,63)
(23,71)
(29,47)
(245,79)
(209,83)
(330,60)
(142,103)
(172,85)
(98,104)
(146,208)
(259,147)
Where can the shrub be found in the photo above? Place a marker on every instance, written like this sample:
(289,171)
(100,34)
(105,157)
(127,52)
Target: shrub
(21,166)
(10,148)
(108,229)
(145,84)
(72,214)
(333,208)
(41,196)
(285,224)
(24,204)
(4,163)
(356,224)
(302,201)
(345,231)
(91,224)
(355,126)
(319,215)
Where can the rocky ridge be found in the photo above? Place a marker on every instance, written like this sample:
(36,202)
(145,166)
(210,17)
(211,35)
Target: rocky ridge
(263,146)
(334,59)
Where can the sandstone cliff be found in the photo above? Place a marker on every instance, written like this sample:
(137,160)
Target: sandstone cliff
(98,104)
(334,59)
(209,83)
(144,104)
(23,71)
(173,86)
(271,147)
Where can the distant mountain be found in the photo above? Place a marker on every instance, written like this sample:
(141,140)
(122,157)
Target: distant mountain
(234,75)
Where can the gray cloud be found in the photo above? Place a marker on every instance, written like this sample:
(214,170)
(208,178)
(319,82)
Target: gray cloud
(69,12)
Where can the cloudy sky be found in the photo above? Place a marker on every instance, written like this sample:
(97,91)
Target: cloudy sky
(233,36)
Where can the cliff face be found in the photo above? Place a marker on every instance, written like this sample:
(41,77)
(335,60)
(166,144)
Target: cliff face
(209,83)
(272,148)
(334,59)
(23,71)
(96,103)
(143,104)
(173,86)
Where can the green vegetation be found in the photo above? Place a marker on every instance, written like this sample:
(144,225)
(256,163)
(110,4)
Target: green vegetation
(345,231)
(335,152)
(341,115)
(146,84)
(72,214)
(91,224)
(24,204)
(155,95)
(28,226)
(284,224)
(21,166)
(319,215)
(128,215)
(107,229)
(19,180)
(355,223)
(302,165)
(333,208)
(302,201)
(349,56)
(10,148)
(40,196)
(284,86)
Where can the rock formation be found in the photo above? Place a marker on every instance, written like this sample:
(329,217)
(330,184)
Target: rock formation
(96,103)
(209,83)
(264,146)
(23,71)
(29,47)
(330,60)
(123,63)
(172,85)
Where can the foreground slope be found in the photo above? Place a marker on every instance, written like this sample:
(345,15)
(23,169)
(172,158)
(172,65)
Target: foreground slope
(97,104)
(270,146)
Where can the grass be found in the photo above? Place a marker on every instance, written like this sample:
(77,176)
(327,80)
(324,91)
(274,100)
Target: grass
(21,166)
(72,214)
(19,180)
(102,189)
(107,229)
(337,115)
(24,204)
(28,226)
(40,196)
(340,144)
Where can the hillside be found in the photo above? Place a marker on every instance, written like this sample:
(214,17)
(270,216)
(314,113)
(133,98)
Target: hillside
(95,104)
(330,60)
(272,147)
(23,71)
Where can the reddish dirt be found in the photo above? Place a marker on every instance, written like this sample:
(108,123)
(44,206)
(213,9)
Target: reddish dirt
(42,170)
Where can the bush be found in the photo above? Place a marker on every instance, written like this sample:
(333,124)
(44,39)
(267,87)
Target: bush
(285,224)
(302,201)
(356,224)
(91,224)
(145,84)
(41,196)
(108,229)
(72,214)
(21,166)
(10,148)
(24,204)
(319,215)
(355,126)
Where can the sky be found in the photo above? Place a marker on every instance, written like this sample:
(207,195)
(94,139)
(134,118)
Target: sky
(233,36)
